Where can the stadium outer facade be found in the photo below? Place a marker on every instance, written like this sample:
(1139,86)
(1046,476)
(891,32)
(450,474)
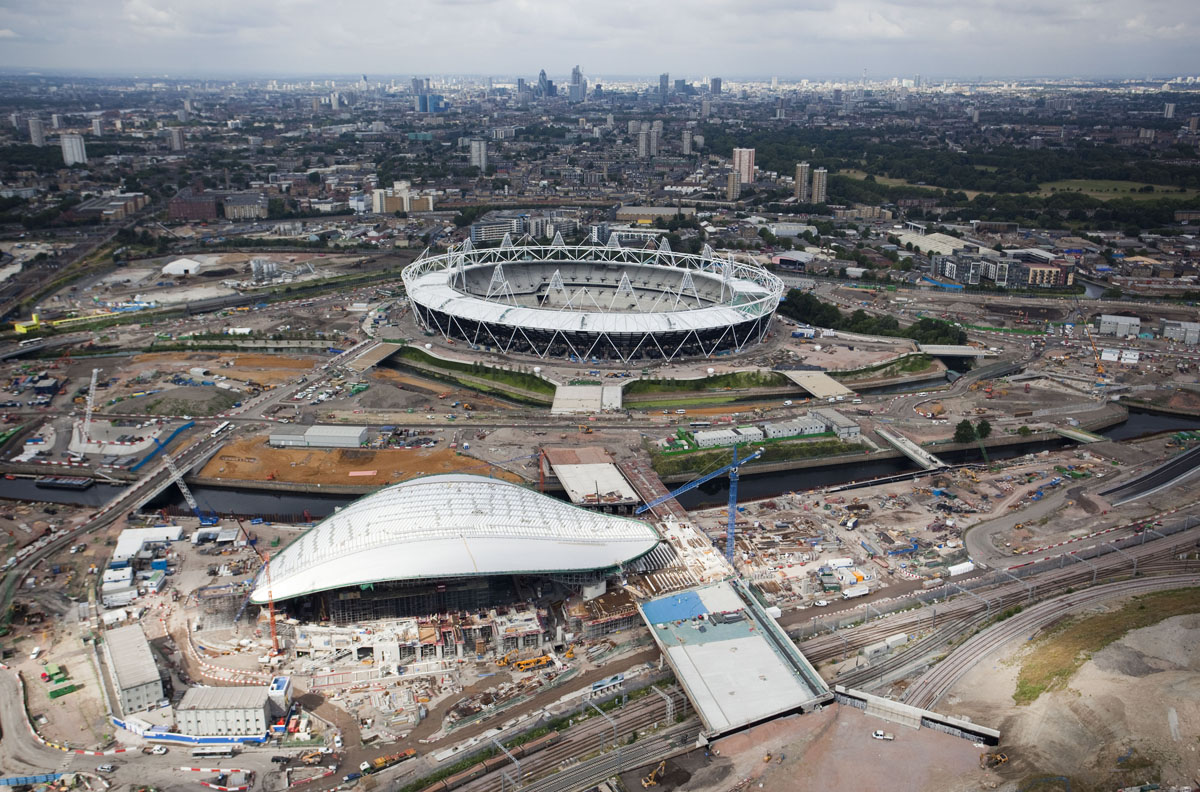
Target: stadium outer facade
(605,302)
(447,542)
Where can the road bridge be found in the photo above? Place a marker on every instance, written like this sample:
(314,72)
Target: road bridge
(1178,467)
(1078,435)
(911,450)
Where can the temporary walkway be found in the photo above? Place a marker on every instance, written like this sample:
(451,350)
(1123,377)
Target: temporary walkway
(911,450)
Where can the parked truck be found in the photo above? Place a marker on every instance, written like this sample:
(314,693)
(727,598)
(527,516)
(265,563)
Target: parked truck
(855,591)
(386,761)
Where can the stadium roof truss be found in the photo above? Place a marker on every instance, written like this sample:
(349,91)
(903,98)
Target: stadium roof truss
(668,322)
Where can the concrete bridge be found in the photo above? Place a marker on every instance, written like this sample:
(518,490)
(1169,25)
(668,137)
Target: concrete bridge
(911,450)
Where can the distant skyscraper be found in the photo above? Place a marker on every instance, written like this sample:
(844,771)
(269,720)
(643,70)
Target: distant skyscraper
(818,186)
(479,154)
(743,164)
(803,190)
(634,127)
(576,75)
(183,116)
(664,86)
(1194,124)
(733,186)
(73,150)
(705,108)
(577,91)
(187,105)
(97,126)
(653,142)
(714,85)
(176,138)
(521,85)
(1169,110)
(687,142)
(37,132)
(774,83)
(643,144)
(334,100)
(56,121)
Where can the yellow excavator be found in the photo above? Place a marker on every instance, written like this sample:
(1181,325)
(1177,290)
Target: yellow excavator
(503,661)
(652,779)
(990,760)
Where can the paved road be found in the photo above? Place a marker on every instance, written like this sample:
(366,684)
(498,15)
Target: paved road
(1178,467)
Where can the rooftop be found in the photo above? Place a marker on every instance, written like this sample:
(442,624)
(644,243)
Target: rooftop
(132,661)
(219,698)
(452,525)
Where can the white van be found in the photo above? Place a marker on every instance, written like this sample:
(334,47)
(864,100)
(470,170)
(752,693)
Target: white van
(36,653)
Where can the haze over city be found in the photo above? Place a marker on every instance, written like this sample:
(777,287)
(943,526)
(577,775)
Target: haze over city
(751,39)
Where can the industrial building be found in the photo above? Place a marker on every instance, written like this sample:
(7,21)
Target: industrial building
(1120,326)
(134,672)
(224,711)
(716,438)
(1187,332)
(796,427)
(323,437)
(845,428)
(445,543)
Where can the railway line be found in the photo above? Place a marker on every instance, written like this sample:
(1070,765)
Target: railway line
(1152,558)
(930,688)
(594,734)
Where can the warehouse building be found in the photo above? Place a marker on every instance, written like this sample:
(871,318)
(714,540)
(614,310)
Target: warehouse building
(224,711)
(715,438)
(845,428)
(1120,326)
(323,437)
(134,672)
(796,427)
(1187,332)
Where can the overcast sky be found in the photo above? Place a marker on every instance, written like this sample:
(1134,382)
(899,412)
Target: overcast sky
(688,38)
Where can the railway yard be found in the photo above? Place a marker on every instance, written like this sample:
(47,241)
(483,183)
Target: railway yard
(917,588)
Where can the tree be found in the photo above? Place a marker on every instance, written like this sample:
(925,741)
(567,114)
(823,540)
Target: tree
(1025,431)
(964,432)
(983,429)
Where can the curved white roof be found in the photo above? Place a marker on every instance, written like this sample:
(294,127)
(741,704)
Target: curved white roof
(452,525)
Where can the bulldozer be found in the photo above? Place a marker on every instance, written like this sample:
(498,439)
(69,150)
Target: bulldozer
(990,760)
(652,779)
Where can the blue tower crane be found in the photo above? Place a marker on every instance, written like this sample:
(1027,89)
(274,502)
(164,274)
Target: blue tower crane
(732,469)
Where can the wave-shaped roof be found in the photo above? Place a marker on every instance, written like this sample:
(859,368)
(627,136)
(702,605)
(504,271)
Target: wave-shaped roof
(452,525)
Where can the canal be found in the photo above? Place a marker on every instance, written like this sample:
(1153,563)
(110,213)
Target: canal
(303,506)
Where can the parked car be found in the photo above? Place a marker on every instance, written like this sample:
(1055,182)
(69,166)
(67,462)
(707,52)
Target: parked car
(106,768)
(821,603)
(352,777)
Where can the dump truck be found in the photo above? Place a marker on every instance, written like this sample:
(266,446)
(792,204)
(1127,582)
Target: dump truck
(386,761)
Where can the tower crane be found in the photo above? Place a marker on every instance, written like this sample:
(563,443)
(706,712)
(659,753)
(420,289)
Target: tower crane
(205,518)
(732,469)
(1087,328)
(91,406)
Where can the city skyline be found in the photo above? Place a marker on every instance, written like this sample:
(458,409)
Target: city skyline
(757,39)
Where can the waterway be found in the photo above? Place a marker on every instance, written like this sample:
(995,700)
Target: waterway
(752,487)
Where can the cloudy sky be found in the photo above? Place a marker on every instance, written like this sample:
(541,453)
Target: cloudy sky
(688,38)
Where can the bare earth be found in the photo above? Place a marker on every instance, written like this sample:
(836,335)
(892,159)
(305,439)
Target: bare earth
(1139,694)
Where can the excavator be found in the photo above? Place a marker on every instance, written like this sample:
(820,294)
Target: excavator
(990,760)
(503,661)
(652,779)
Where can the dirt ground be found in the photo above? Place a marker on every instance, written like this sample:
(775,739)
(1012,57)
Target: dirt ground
(1129,715)
(252,459)
(267,369)
(833,749)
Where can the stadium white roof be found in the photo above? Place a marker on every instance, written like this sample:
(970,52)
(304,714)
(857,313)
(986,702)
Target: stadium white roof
(433,291)
(451,525)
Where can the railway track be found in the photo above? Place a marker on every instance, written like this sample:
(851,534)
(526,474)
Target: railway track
(930,688)
(594,734)
(966,611)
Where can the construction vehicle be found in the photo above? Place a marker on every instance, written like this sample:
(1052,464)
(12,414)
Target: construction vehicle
(652,779)
(503,661)
(570,655)
(879,734)
(532,663)
(585,429)
(990,760)
(311,758)
(384,762)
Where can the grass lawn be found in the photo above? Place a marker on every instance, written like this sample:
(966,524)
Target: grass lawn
(1107,189)
(857,174)
(1056,657)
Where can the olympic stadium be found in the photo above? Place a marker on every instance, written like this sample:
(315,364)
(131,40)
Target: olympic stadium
(449,542)
(593,302)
